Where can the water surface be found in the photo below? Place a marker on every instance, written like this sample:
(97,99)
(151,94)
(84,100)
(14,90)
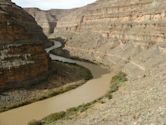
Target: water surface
(88,92)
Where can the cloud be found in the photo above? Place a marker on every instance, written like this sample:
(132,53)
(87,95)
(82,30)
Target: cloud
(56,4)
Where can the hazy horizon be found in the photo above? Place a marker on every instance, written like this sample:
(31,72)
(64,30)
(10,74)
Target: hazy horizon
(53,4)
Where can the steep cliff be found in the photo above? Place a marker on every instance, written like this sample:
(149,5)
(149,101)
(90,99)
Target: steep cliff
(109,24)
(22,55)
(108,27)
(46,19)
(127,35)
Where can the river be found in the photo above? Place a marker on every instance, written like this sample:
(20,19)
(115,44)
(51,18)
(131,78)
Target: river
(90,91)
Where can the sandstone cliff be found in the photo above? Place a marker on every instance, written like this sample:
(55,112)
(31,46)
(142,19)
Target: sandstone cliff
(46,19)
(22,55)
(108,24)
(127,35)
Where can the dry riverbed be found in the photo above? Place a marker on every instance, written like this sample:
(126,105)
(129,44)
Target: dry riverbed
(64,77)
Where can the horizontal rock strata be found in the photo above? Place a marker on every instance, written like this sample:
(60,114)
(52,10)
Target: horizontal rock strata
(22,54)
(127,35)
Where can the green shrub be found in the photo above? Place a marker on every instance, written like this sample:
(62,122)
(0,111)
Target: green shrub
(34,122)
(116,81)
(67,114)
(53,117)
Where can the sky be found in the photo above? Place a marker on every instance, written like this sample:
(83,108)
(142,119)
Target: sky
(53,4)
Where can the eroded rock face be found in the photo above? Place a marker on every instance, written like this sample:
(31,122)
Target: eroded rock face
(46,19)
(16,24)
(22,54)
(120,21)
(127,35)
(108,25)
(114,32)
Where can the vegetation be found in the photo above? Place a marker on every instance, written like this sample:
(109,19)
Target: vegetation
(116,82)
(59,82)
(54,117)
(34,122)
(67,114)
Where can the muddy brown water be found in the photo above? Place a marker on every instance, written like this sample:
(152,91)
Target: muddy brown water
(90,91)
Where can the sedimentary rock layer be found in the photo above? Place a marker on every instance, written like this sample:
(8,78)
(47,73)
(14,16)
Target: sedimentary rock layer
(20,63)
(46,19)
(17,25)
(105,25)
(127,35)
(22,55)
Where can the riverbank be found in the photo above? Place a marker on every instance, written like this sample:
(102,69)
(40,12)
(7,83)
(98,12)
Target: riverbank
(88,92)
(64,77)
(116,81)
(60,51)
(66,54)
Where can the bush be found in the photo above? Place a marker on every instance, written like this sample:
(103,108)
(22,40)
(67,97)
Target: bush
(53,117)
(34,122)
(116,81)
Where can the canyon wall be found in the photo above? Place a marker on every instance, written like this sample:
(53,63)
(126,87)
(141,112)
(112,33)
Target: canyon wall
(128,36)
(22,42)
(113,32)
(47,19)
(107,30)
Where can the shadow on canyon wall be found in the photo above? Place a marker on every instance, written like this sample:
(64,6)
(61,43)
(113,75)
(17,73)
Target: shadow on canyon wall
(58,75)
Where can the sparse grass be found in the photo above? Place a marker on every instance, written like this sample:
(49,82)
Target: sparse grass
(68,114)
(116,82)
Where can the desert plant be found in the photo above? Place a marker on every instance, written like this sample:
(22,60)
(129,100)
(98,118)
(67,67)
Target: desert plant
(54,117)
(116,81)
(35,122)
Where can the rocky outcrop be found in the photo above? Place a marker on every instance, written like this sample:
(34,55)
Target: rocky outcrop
(17,25)
(22,42)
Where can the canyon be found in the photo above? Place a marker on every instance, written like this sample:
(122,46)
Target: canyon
(123,35)
(23,60)
(126,35)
